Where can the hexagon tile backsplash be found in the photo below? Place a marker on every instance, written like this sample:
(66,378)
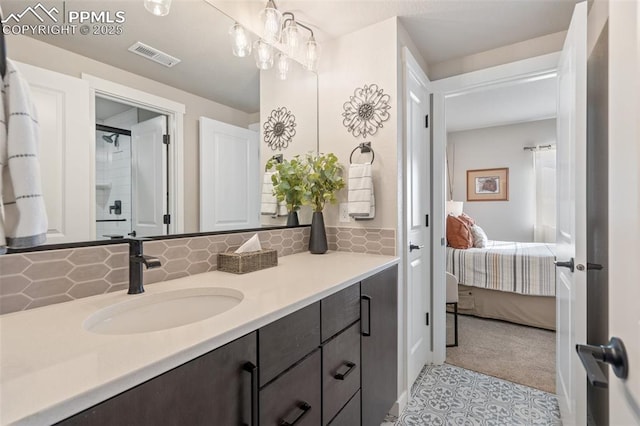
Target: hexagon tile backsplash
(31,280)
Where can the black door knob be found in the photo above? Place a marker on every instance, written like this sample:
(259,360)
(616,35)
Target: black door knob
(613,353)
(413,247)
(568,264)
(132,233)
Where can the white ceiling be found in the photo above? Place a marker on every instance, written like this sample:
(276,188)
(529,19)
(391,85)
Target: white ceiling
(501,105)
(198,34)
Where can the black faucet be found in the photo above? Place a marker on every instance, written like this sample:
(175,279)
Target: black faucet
(136,260)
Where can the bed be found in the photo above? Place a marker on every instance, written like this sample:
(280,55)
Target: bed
(510,281)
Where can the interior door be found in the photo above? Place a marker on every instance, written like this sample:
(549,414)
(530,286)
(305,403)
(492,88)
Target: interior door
(148,177)
(66,162)
(229,177)
(624,205)
(418,253)
(571,292)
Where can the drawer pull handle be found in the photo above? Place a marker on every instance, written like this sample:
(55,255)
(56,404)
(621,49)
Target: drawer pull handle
(301,406)
(367,299)
(350,366)
(253,370)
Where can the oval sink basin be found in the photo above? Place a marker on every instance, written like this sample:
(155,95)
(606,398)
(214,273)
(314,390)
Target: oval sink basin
(162,311)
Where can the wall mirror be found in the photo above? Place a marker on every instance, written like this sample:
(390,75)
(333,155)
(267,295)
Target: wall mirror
(104,111)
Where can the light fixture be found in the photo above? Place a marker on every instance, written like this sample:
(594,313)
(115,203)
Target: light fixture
(283,66)
(271,19)
(158,7)
(291,37)
(240,41)
(312,54)
(263,53)
(277,27)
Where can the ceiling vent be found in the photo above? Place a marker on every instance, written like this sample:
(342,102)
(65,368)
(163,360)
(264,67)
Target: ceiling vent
(153,54)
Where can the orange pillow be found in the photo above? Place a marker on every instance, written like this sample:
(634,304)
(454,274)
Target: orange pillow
(467,219)
(458,233)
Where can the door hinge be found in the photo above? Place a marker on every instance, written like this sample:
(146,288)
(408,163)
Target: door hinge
(427,318)
(166,219)
(166,139)
(426,220)
(426,121)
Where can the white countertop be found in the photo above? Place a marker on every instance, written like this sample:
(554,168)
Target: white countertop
(51,368)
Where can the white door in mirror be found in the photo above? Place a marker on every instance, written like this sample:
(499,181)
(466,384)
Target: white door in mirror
(149,176)
(229,177)
(65,123)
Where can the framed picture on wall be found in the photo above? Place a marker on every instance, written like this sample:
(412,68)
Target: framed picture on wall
(488,184)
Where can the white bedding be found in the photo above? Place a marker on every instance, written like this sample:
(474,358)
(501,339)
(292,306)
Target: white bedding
(524,268)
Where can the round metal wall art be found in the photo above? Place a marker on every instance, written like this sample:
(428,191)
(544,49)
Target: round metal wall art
(366,110)
(279,129)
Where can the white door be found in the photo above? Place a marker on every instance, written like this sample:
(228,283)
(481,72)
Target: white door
(148,177)
(624,204)
(66,159)
(571,291)
(229,177)
(418,270)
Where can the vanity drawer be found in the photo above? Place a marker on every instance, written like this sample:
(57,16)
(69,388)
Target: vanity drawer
(340,370)
(340,310)
(294,396)
(350,414)
(286,341)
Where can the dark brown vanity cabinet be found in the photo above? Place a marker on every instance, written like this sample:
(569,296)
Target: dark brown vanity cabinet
(289,362)
(333,362)
(214,389)
(379,311)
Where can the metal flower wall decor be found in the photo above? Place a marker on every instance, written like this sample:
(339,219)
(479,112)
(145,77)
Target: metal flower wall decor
(366,110)
(279,129)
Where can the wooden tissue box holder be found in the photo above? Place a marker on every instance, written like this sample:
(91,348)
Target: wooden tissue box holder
(241,263)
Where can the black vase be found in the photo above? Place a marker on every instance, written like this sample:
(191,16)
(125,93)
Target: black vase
(292,219)
(318,238)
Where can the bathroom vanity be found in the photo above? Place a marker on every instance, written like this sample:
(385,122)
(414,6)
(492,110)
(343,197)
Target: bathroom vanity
(312,342)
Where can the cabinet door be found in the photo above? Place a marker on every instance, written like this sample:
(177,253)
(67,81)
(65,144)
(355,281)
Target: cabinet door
(379,310)
(339,311)
(287,340)
(212,389)
(340,370)
(294,398)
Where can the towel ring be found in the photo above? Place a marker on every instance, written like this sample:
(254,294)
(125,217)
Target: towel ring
(363,147)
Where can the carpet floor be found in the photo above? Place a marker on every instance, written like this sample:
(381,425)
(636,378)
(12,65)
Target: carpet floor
(517,353)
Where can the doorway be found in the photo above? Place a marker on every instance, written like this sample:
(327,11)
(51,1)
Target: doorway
(131,166)
(449,91)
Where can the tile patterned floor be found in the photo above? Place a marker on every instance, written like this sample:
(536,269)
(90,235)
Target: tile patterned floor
(449,395)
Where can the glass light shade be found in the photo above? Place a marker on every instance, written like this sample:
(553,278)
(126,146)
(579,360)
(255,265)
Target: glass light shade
(454,208)
(158,7)
(263,52)
(291,37)
(271,19)
(312,55)
(283,66)
(240,41)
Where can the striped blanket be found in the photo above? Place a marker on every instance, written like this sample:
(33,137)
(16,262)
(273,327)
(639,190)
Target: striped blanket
(525,268)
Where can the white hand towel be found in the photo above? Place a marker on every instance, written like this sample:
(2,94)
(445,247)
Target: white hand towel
(269,203)
(361,197)
(24,222)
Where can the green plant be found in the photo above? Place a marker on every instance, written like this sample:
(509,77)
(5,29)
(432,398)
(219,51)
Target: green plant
(289,181)
(324,180)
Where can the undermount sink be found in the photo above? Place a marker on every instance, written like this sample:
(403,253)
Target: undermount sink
(162,311)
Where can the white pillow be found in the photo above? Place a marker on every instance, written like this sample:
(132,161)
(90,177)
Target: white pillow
(480,238)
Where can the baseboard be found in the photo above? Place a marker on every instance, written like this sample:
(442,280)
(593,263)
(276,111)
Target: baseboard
(399,405)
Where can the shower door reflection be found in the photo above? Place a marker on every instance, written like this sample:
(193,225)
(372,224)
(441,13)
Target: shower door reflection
(131,171)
